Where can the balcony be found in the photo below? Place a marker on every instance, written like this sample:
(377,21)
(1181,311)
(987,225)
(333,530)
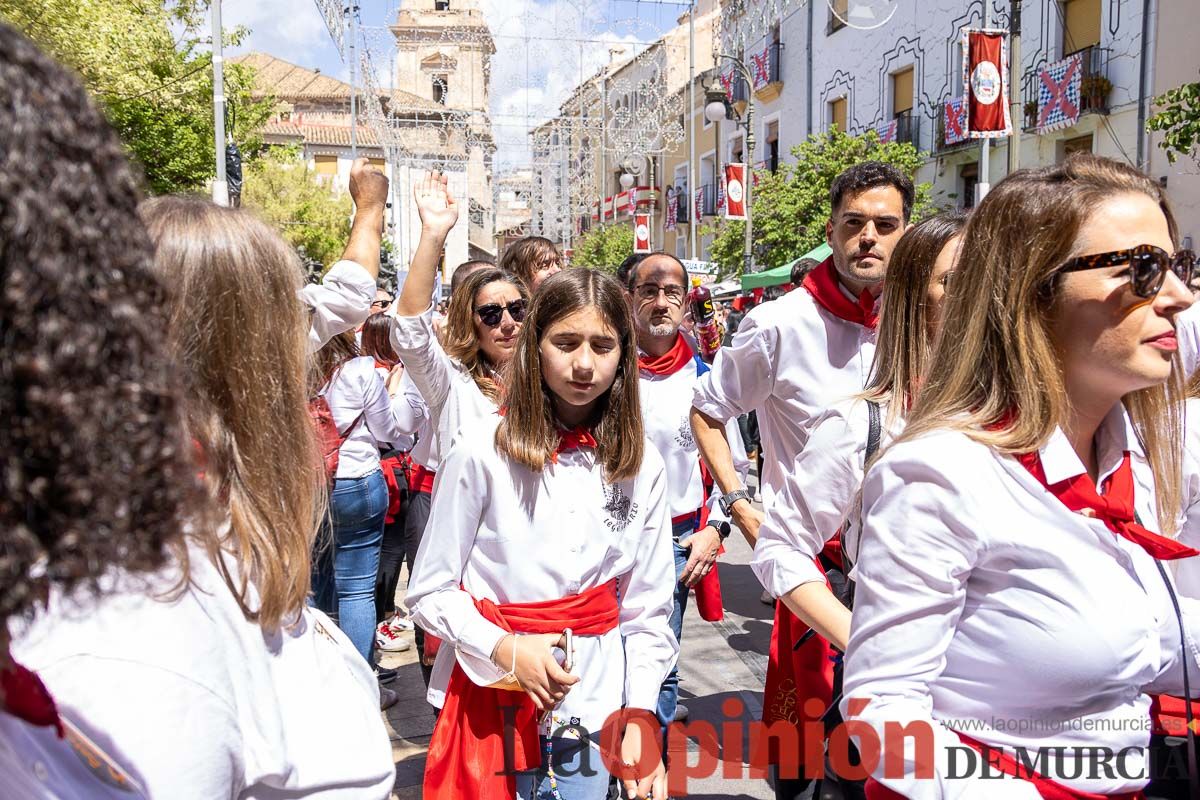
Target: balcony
(908,128)
(958,139)
(683,209)
(768,81)
(708,201)
(1095,89)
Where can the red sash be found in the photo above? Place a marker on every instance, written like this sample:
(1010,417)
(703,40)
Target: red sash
(421,480)
(1004,763)
(466,754)
(1168,714)
(669,362)
(822,284)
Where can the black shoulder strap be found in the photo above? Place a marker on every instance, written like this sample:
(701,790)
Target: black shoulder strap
(875,429)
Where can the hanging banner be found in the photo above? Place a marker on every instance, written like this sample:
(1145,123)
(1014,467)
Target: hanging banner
(985,76)
(641,233)
(956,121)
(672,210)
(1059,87)
(735,183)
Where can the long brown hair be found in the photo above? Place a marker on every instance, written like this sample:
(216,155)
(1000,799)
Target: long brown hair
(239,331)
(326,362)
(461,341)
(377,339)
(903,346)
(528,433)
(527,255)
(996,355)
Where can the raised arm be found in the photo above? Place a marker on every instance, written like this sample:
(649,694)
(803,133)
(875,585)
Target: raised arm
(369,190)
(439,212)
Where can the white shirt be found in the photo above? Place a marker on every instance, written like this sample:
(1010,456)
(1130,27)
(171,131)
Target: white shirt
(821,495)
(984,604)
(200,704)
(666,409)
(357,392)
(340,302)
(412,415)
(790,360)
(1187,331)
(37,765)
(1187,570)
(449,391)
(511,535)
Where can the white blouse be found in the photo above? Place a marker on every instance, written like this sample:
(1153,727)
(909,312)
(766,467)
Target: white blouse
(1187,570)
(340,302)
(984,605)
(790,360)
(511,535)
(819,498)
(357,392)
(449,392)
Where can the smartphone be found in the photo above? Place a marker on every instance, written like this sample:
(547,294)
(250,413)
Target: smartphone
(569,636)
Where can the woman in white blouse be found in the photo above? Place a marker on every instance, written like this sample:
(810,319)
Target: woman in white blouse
(540,514)
(1002,599)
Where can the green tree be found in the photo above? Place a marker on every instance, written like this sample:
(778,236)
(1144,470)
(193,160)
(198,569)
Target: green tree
(287,194)
(790,206)
(148,64)
(604,247)
(1179,121)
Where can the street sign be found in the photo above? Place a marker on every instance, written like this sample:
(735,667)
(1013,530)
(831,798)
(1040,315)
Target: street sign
(696,267)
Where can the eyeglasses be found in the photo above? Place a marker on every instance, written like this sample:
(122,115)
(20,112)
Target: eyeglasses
(381,303)
(647,292)
(492,313)
(1148,266)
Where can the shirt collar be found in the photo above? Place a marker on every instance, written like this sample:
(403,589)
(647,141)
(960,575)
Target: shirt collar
(1115,436)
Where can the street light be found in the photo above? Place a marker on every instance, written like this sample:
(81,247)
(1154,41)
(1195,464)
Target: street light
(626,181)
(717,108)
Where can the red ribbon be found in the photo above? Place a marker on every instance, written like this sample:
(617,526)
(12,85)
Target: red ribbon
(822,284)
(669,362)
(467,751)
(26,697)
(573,440)
(1114,508)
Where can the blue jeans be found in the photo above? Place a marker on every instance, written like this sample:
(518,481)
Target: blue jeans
(668,695)
(578,772)
(344,580)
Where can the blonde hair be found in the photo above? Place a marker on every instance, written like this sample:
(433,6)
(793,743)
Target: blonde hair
(461,341)
(996,374)
(239,331)
(528,434)
(903,345)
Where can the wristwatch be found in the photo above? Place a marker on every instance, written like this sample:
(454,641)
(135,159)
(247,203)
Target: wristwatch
(722,528)
(728,500)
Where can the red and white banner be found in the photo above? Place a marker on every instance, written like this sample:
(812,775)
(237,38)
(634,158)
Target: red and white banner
(735,191)
(985,76)
(641,233)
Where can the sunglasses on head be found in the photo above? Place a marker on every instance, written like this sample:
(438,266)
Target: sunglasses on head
(1148,266)
(381,303)
(491,313)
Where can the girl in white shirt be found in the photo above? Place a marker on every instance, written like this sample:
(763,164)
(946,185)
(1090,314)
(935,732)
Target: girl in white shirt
(540,514)
(1009,593)
(820,492)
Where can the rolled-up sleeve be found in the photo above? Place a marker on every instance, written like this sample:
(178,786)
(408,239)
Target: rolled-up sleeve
(340,302)
(742,376)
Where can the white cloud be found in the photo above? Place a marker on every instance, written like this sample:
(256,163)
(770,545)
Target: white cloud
(289,29)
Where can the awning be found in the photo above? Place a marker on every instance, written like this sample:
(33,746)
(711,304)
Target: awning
(781,275)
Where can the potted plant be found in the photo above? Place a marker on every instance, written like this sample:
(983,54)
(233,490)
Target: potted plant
(1095,89)
(1031,114)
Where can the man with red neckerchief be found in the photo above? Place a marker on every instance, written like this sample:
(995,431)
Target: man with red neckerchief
(668,370)
(791,359)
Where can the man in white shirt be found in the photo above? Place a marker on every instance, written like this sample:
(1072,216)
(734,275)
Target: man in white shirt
(791,359)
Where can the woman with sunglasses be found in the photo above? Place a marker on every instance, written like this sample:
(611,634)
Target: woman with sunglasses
(1010,586)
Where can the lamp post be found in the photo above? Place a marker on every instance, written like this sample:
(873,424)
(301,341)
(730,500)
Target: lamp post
(717,108)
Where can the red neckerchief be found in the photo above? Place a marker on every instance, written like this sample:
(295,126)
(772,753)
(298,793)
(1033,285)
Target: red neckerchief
(822,284)
(26,697)
(669,362)
(573,440)
(1114,508)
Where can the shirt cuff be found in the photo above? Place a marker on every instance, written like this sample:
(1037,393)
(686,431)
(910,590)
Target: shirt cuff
(351,273)
(412,333)
(643,688)
(788,570)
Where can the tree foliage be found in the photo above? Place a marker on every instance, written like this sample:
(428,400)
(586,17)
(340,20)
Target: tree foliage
(789,207)
(286,193)
(1179,121)
(604,247)
(148,64)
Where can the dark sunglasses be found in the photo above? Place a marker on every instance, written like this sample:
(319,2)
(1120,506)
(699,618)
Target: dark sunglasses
(381,303)
(492,313)
(1148,266)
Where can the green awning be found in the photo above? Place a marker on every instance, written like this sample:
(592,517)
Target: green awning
(781,275)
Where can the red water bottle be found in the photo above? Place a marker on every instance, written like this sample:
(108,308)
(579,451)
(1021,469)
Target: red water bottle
(707,333)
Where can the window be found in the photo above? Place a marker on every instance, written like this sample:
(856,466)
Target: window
(441,5)
(837,113)
(327,166)
(1081,24)
(736,150)
(1079,144)
(838,10)
(968,179)
(772,138)
(378,162)
(902,92)
(440,89)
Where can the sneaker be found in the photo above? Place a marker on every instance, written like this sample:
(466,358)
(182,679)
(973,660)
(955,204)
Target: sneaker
(384,675)
(681,712)
(389,640)
(766,598)
(387,698)
(399,623)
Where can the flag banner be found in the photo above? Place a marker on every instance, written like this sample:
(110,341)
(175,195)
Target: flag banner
(671,216)
(985,76)
(761,68)
(726,79)
(886,131)
(735,182)
(1059,86)
(699,205)
(641,233)
(956,121)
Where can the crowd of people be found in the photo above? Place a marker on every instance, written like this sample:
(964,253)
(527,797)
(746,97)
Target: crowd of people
(977,442)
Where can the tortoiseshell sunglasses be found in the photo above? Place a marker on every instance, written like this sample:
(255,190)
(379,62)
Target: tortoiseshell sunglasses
(1148,266)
